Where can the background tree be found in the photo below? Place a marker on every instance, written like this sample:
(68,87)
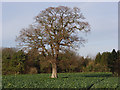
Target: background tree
(0,60)
(18,60)
(7,61)
(68,61)
(12,61)
(98,58)
(54,28)
(32,62)
(113,60)
(117,67)
(117,63)
(105,58)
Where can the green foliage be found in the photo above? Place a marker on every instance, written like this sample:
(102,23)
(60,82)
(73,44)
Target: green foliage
(105,58)
(111,63)
(111,82)
(32,60)
(65,80)
(17,62)
(109,60)
(13,61)
(93,67)
(117,63)
(98,58)
(7,65)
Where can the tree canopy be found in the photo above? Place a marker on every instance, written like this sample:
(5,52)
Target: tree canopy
(55,28)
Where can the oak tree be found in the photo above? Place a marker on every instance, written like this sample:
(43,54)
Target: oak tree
(54,28)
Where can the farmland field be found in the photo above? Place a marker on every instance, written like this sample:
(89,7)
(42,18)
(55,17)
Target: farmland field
(64,80)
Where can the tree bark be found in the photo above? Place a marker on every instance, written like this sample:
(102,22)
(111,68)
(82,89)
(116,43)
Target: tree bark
(54,63)
(54,70)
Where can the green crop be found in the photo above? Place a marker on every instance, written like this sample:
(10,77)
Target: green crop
(65,80)
(111,82)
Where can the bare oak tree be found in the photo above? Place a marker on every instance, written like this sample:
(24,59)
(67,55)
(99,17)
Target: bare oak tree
(54,28)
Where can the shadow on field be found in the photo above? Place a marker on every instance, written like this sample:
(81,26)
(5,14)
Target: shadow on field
(87,75)
(99,75)
(64,77)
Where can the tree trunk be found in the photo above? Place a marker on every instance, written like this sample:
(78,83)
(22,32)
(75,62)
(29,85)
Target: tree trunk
(54,63)
(54,70)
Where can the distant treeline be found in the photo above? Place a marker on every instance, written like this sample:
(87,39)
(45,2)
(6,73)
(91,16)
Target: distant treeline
(18,62)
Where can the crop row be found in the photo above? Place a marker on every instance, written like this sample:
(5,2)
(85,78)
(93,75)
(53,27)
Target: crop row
(111,82)
(65,80)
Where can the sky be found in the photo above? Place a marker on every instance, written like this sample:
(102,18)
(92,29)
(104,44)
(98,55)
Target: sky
(102,17)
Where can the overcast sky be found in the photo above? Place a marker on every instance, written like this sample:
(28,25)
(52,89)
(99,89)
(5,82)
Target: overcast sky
(103,18)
